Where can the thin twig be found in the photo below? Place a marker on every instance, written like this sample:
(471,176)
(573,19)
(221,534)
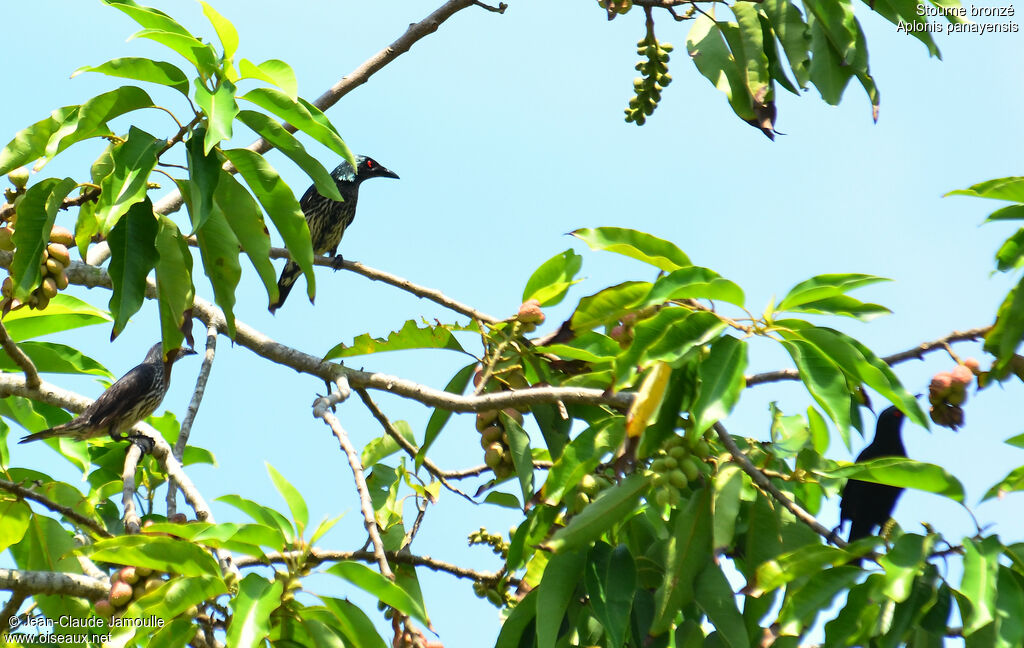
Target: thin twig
(765,484)
(916,353)
(190,414)
(66,511)
(481,469)
(318,556)
(132,522)
(32,378)
(365,504)
(11,609)
(403,443)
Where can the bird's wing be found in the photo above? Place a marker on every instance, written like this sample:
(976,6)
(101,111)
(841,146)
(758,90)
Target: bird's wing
(127,390)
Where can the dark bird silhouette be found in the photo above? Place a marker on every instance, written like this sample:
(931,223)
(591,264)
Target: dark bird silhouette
(328,219)
(132,398)
(865,504)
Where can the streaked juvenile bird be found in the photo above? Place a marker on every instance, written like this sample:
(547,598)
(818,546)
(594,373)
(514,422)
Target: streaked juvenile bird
(865,504)
(132,398)
(328,219)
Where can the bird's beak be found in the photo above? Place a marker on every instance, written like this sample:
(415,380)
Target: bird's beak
(182,352)
(384,172)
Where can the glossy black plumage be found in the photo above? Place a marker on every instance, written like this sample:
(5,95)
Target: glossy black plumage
(865,504)
(132,398)
(328,219)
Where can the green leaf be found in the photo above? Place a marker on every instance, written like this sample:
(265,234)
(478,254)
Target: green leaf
(133,160)
(904,473)
(1010,255)
(725,506)
(1008,331)
(824,380)
(226,32)
(91,120)
(63,314)
(792,32)
(303,116)
(218,248)
(752,54)
(292,497)
(220,109)
(353,623)
(204,173)
(825,286)
(1014,481)
(608,305)
(785,568)
(193,50)
(175,597)
(667,336)
(246,221)
(174,287)
(384,446)
(250,621)
(721,382)
(551,281)
(714,595)
(695,282)
(1011,188)
(688,552)
(264,515)
(439,418)
(410,336)
(805,602)
(611,582)
(636,245)
(710,53)
(29,144)
(903,562)
(16,516)
(51,357)
(141,69)
(828,72)
(556,591)
(981,572)
(843,305)
(36,214)
(522,459)
(159,553)
(611,506)
(838,23)
(1010,607)
(147,17)
(132,255)
(274,72)
(280,204)
(285,142)
(380,587)
(581,456)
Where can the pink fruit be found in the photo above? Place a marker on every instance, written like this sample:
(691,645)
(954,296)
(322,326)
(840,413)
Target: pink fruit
(973,365)
(962,374)
(128,575)
(120,594)
(530,312)
(103,609)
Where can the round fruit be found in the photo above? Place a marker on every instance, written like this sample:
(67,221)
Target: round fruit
(128,575)
(514,414)
(492,457)
(53,267)
(103,609)
(41,301)
(178,518)
(690,468)
(962,374)
(120,594)
(7,238)
(678,478)
(491,435)
(484,419)
(494,597)
(661,498)
(8,287)
(61,280)
(49,287)
(530,312)
(702,449)
(143,571)
(678,452)
(60,235)
(152,583)
(59,252)
(579,502)
(973,365)
(589,484)
(18,177)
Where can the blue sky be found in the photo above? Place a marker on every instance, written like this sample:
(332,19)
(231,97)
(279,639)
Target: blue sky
(507,133)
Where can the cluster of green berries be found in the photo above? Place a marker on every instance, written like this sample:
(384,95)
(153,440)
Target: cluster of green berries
(648,87)
(589,488)
(674,466)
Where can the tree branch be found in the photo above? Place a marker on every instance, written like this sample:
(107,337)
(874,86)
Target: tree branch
(67,512)
(369,519)
(131,463)
(44,582)
(765,484)
(190,414)
(32,378)
(916,353)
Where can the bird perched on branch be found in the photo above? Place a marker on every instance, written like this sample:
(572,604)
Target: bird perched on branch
(132,398)
(866,504)
(327,219)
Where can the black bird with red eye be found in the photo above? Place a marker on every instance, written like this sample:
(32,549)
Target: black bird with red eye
(865,504)
(328,219)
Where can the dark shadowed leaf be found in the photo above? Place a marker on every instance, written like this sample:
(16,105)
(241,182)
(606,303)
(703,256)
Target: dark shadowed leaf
(132,255)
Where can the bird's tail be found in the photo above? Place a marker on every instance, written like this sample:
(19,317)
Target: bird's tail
(70,429)
(288,278)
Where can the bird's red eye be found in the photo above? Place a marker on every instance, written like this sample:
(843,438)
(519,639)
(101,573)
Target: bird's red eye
(369,164)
